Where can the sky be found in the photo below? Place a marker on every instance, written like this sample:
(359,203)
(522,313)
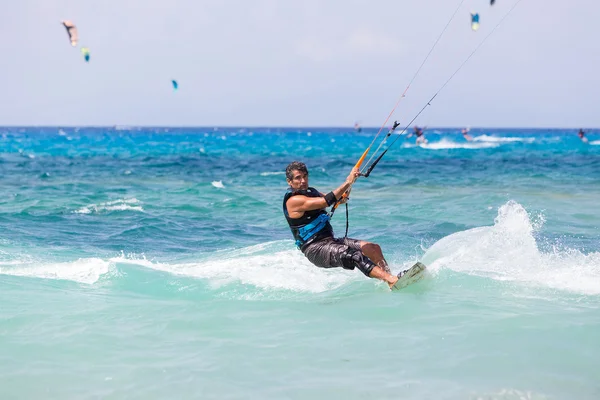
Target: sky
(299,63)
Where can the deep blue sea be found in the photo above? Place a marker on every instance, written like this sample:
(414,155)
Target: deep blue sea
(155,263)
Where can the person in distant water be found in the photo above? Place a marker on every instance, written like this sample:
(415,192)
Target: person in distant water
(304,209)
(465,133)
(581,135)
(420,134)
(357,127)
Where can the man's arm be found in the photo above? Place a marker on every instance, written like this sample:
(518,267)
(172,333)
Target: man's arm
(301,204)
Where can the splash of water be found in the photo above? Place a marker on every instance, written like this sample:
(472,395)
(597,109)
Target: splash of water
(508,251)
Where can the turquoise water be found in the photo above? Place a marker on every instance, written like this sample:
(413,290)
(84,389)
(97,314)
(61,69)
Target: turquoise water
(155,263)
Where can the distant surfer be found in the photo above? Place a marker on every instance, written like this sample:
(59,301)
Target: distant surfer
(304,209)
(581,135)
(420,134)
(465,133)
(357,127)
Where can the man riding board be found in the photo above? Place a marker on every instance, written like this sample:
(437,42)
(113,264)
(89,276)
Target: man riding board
(304,210)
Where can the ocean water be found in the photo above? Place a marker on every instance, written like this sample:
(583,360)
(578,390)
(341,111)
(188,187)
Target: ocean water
(152,263)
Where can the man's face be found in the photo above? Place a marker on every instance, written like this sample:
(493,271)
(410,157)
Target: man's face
(299,180)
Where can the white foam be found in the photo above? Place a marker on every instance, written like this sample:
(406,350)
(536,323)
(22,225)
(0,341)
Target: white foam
(501,139)
(272,173)
(449,144)
(508,251)
(272,265)
(84,270)
(509,394)
(116,205)
(218,184)
(595,142)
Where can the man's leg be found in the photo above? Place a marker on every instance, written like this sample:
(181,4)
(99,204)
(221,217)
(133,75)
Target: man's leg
(347,254)
(357,255)
(379,273)
(373,251)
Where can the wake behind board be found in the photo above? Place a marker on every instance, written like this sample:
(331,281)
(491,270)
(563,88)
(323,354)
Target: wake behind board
(412,275)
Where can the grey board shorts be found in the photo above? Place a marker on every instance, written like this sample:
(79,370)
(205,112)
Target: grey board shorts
(332,252)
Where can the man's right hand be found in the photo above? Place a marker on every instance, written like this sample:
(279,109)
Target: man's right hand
(354,174)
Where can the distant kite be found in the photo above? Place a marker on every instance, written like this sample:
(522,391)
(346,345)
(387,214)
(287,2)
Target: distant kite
(175,84)
(71,31)
(86,53)
(492,2)
(474,21)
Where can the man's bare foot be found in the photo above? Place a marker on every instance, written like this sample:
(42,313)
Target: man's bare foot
(391,281)
(378,273)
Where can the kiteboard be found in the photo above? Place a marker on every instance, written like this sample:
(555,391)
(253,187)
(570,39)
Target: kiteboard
(410,276)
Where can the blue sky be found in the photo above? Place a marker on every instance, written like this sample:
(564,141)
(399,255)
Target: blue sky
(307,63)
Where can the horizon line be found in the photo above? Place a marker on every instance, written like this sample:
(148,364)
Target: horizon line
(349,127)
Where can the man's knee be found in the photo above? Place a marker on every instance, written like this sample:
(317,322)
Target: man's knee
(352,258)
(371,248)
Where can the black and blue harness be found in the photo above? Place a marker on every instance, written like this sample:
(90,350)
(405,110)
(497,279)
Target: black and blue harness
(312,225)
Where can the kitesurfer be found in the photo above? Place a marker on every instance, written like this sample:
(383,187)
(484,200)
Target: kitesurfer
(419,133)
(304,209)
(465,133)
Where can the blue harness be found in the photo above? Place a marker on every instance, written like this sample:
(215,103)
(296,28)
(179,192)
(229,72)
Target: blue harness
(310,229)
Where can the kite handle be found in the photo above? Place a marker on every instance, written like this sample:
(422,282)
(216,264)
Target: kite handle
(347,192)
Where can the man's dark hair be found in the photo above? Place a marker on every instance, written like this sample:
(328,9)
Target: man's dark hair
(295,166)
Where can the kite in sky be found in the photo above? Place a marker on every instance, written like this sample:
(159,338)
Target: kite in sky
(72,31)
(86,53)
(474,21)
